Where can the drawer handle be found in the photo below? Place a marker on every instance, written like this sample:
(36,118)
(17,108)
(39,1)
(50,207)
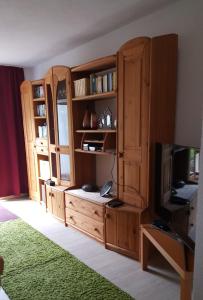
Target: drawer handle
(49,193)
(70,202)
(42,150)
(41,143)
(52,195)
(96,212)
(96,229)
(107,216)
(71,217)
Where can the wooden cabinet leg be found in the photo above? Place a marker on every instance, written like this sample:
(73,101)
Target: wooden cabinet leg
(144,251)
(186,289)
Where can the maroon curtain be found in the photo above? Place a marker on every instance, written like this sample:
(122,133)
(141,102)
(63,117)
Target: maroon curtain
(13,174)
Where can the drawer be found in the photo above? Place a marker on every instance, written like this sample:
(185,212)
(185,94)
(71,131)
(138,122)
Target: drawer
(41,142)
(42,150)
(85,223)
(87,208)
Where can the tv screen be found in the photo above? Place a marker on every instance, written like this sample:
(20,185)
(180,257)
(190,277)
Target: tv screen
(176,178)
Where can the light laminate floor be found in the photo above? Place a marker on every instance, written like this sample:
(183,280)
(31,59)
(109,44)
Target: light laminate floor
(159,282)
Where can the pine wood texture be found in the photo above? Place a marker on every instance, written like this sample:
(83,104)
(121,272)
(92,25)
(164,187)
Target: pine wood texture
(173,251)
(55,203)
(97,64)
(133,125)
(29,135)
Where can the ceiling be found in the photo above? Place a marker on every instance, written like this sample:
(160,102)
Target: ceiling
(35,30)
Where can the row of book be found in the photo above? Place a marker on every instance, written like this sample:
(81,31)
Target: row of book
(103,83)
(41,110)
(42,131)
(97,83)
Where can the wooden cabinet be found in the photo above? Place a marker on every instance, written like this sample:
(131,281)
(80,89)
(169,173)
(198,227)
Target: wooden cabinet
(55,201)
(57,82)
(122,230)
(29,134)
(35,129)
(133,125)
(146,101)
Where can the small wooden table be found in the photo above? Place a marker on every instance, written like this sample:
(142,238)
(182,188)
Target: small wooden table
(180,258)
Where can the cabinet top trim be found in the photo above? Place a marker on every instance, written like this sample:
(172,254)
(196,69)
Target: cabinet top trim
(97,64)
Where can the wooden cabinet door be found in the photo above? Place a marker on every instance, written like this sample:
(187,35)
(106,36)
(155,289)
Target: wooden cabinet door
(133,125)
(122,231)
(29,134)
(58,204)
(49,199)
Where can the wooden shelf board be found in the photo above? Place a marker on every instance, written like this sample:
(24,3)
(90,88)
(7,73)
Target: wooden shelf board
(97,64)
(94,152)
(96,131)
(40,118)
(39,99)
(100,96)
(94,141)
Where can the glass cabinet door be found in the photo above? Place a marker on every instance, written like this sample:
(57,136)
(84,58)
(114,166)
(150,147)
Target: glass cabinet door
(64,167)
(62,113)
(51,114)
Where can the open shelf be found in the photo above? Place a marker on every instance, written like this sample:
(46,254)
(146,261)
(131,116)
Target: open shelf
(101,96)
(40,117)
(96,131)
(94,141)
(94,152)
(39,99)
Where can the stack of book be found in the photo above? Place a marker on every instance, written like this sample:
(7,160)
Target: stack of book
(41,110)
(103,82)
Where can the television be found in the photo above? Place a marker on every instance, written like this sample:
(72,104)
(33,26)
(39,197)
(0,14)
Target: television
(176,187)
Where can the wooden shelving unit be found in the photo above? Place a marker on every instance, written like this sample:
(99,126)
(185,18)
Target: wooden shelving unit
(96,130)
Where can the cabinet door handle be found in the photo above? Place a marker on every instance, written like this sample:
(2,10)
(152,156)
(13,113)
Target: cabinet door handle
(70,202)
(107,216)
(41,143)
(49,193)
(71,217)
(96,229)
(52,195)
(95,212)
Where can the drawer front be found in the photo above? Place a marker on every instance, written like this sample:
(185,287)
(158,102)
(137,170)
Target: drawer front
(41,142)
(85,223)
(85,207)
(42,150)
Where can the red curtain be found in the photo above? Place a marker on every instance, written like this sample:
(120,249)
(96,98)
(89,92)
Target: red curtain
(13,174)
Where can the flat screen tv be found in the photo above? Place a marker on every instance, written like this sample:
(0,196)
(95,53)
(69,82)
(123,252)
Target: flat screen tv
(176,186)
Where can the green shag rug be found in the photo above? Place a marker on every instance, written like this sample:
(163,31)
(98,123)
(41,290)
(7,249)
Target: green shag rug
(38,269)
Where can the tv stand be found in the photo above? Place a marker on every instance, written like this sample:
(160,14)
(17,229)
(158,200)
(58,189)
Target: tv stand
(178,256)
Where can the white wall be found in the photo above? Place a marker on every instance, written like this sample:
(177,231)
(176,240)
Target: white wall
(183,17)
(198,274)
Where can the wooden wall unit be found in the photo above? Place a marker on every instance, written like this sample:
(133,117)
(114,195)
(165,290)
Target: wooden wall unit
(144,102)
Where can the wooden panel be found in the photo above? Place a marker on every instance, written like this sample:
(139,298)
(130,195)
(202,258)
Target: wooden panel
(164,51)
(111,226)
(133,125)
(58,204)
(87,208)
(122,231)
(48,198)
(128,231)
(85,223)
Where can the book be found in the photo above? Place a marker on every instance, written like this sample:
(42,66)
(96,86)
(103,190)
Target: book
(110,81)
(114,81)
(104,83)
(92,84)
(99,84)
